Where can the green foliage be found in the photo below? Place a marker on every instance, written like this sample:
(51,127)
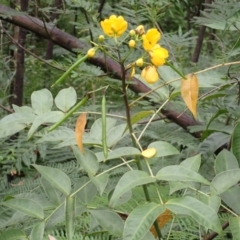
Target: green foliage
(110,191)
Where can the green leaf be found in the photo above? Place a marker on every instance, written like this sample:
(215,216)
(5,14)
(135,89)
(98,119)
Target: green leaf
(66,98)
(122,199)
(236,142)
(42,101)
(109,220)
(87,193)
(213,142)
(179,173)
(194,208)
(70,217)
(140,220)
(163,149)
(100,182)
(57,216)
(26,206)
(49,117)
(212,201)
(115,134)
(57,178)
(139,116)
(216,115)
(87,160)
(96,129)
(37,231)
(234,223)
(224,180)
(53,193)
(58,135)
(192,163)
(231,198)
(128,181)
(225,160)
(118,153)
(13,234)
(14,123)
(23,109)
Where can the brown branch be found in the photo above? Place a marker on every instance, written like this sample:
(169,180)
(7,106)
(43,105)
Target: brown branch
(199,44)
(74,45)
(214,234)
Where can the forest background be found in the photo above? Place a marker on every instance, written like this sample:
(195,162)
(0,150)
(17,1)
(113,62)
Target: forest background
(101,140)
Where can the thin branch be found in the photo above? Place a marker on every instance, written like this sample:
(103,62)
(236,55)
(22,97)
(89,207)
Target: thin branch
(6,109)
(26,50)
(214,234)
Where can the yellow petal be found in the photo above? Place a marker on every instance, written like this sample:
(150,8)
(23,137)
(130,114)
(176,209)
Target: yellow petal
(150,74)
(114,26)
(79,130)
(149,153)
(158,56)
(106,26)
(189,91)
(150,39)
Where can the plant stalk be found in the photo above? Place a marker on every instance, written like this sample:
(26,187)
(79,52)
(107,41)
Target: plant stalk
(128,116)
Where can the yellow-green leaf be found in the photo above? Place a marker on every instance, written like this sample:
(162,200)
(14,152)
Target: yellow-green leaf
(79,130)
(189,91)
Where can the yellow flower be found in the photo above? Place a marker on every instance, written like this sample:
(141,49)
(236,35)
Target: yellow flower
(139,62)
(91,52)
(150,74)
(158,56)
(151,38)
(149,153)
(114,26)
(140,30)
(132,44)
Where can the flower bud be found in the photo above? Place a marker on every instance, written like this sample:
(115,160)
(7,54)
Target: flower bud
(139,62)
(150,74)
(101,38)
(132,33)
(140,30)
(91,52)
(132,44)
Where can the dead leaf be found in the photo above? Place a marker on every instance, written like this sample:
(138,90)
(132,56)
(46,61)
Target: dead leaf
(162,220)
(79,130)
(189,91)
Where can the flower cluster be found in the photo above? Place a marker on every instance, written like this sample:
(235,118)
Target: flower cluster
(116,26)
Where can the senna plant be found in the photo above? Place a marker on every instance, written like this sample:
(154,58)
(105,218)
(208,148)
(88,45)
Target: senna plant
(67,200)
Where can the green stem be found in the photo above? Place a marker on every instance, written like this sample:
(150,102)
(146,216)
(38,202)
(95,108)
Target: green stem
(70,113)
(175,69)
(139,166)
(70,70)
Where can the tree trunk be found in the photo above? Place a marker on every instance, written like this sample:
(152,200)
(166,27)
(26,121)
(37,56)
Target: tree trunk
(17,84)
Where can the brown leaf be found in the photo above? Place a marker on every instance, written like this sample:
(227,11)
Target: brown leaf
(162,220)
(189,91)
(79,130)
